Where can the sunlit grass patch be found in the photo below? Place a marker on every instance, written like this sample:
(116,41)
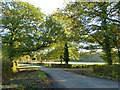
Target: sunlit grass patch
(28,77)
(24,69)
(12,86)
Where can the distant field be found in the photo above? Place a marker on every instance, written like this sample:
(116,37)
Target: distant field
(87,63)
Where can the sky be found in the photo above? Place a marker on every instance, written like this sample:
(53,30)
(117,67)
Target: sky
(48,6)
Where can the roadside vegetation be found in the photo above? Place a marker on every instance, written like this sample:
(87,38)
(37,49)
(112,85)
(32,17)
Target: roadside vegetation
(27,77)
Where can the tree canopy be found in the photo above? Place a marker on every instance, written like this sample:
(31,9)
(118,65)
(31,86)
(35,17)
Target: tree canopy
(94,24)
(26,29)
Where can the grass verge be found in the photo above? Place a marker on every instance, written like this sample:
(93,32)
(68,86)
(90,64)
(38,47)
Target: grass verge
(27,78)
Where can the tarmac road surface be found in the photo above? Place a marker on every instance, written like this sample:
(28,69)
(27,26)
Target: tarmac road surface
(63,79)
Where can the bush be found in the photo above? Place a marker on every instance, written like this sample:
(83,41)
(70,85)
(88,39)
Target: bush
(6,69)
(109,71)
(76,66)
(83,66)
(14,66)
(61,65)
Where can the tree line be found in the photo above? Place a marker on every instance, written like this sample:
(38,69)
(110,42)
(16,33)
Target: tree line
(25,30)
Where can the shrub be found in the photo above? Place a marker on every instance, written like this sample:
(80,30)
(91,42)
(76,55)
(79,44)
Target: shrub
(6,69)
(76,66)
(61,65)
(14,66)
(110,71)
(83,66)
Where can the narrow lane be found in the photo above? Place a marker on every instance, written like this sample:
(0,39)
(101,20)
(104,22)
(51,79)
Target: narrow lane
(64,79)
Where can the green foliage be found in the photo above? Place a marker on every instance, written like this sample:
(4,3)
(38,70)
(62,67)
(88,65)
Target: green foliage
(25,58)
(57,52)
(61,65)
(24,29)
(102,31)
(6,69)
(85,66)
(14,67)
(19,24)
(110,71)
(82,66)
(92,24)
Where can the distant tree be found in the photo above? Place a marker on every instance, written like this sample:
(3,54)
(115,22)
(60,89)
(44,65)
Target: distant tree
(61,58)
(66,54)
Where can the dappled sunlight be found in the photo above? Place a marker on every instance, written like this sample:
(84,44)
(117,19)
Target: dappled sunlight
(27,65)
(11,86)
(68,41)
(29,77)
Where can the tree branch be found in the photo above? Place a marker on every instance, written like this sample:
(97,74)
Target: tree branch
(98,41)
(113,20)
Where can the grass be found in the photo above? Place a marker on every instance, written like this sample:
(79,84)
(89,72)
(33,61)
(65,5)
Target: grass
(101,71)
(27,78)
(91,74)
(85,63)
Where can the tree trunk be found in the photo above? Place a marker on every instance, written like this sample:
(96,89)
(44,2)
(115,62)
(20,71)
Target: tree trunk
(66,62)
(41,61)
(109,58)
(117,46)
(106,40)
(66,53)
(119,55)
(108,51)
(61,61)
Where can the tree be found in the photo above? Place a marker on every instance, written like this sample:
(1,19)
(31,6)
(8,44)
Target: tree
(25,30)
(20,22)
(39,56)
(102,14)
(88,23)
(53,25)
(66,53)
(56,53)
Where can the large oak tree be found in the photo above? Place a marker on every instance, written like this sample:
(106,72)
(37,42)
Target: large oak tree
(25,29)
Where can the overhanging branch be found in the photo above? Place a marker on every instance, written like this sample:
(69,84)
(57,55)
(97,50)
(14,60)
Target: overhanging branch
(113,20)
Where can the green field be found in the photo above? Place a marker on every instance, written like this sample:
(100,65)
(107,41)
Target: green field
(87,63)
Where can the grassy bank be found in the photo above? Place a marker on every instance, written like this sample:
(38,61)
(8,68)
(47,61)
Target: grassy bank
(27,78)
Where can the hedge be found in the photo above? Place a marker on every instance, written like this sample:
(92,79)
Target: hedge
(8,69)
(109,71)
(61,65)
